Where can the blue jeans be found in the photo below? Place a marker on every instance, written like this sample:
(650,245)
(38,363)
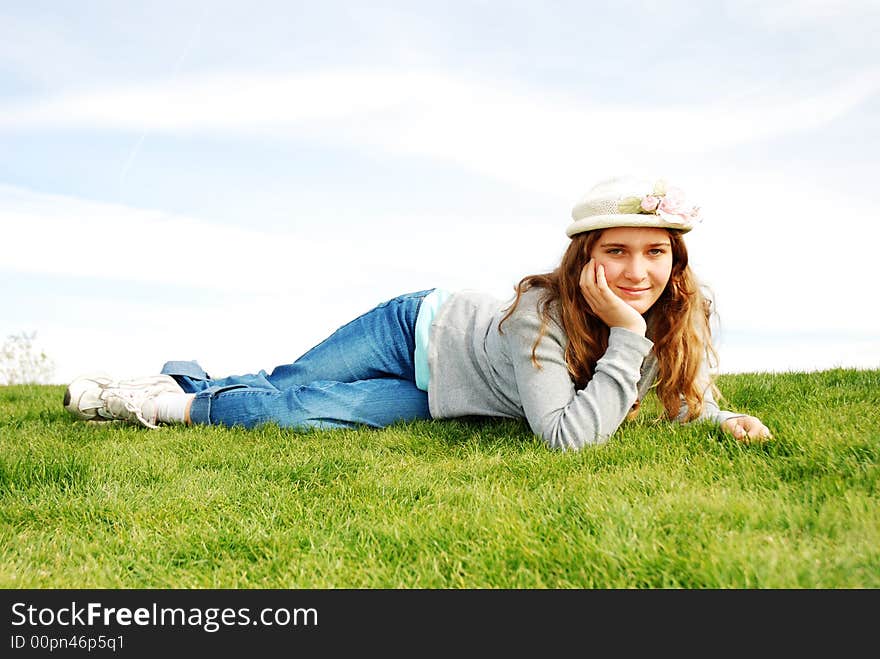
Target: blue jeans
(362,374)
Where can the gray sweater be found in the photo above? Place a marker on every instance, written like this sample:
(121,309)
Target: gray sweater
(475,370)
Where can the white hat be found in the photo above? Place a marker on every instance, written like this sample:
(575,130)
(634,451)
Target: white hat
(632,202)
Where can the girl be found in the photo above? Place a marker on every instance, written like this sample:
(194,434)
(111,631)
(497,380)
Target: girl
(574,354)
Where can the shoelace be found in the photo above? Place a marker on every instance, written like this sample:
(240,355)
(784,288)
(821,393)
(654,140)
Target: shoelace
(130,402)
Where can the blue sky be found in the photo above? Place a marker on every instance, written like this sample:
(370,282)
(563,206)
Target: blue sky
(230,182)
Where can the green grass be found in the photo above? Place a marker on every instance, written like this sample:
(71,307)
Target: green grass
(449,504)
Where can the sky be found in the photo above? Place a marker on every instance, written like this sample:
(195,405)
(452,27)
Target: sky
(230,182)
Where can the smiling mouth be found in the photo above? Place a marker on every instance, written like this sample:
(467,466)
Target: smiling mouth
(633,291)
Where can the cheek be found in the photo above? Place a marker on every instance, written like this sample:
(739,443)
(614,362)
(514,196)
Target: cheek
(612,269)
(662,272)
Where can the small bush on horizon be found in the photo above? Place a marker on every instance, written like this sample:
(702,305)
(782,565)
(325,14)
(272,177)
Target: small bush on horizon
(22,363)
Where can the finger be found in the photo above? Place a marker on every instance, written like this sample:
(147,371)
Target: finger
(755,428)
(588,278)
(601,282)
(747,429)
(588,289)
(603,289)
(587,273)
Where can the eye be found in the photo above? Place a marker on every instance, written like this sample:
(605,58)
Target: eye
(656,251)
(614,250)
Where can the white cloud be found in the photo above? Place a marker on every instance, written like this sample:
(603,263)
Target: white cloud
(522,135)
(793,14)
(62,235)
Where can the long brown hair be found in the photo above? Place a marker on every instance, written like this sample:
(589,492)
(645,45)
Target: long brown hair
(678,324)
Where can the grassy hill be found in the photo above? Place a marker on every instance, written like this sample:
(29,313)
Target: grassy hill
(450,504)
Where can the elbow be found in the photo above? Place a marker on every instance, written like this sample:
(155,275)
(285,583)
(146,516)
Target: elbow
(565,430)
(562,441)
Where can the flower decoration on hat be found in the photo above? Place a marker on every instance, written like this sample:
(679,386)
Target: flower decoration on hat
(668,203)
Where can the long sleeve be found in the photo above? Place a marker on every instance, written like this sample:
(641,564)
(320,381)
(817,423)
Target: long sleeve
(563,417)
(475,369)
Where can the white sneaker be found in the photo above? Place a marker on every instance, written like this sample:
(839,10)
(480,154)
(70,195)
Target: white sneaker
(98,397)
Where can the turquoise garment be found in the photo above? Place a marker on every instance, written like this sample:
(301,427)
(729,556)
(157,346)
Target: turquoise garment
(430,304)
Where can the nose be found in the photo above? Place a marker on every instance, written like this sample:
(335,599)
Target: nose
(636,269)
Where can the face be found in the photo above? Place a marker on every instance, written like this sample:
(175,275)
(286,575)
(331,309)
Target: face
(638,262)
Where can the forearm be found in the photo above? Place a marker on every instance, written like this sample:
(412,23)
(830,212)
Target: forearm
(590,416)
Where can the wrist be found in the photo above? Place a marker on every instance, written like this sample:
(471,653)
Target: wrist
(622,338)
(635,328)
